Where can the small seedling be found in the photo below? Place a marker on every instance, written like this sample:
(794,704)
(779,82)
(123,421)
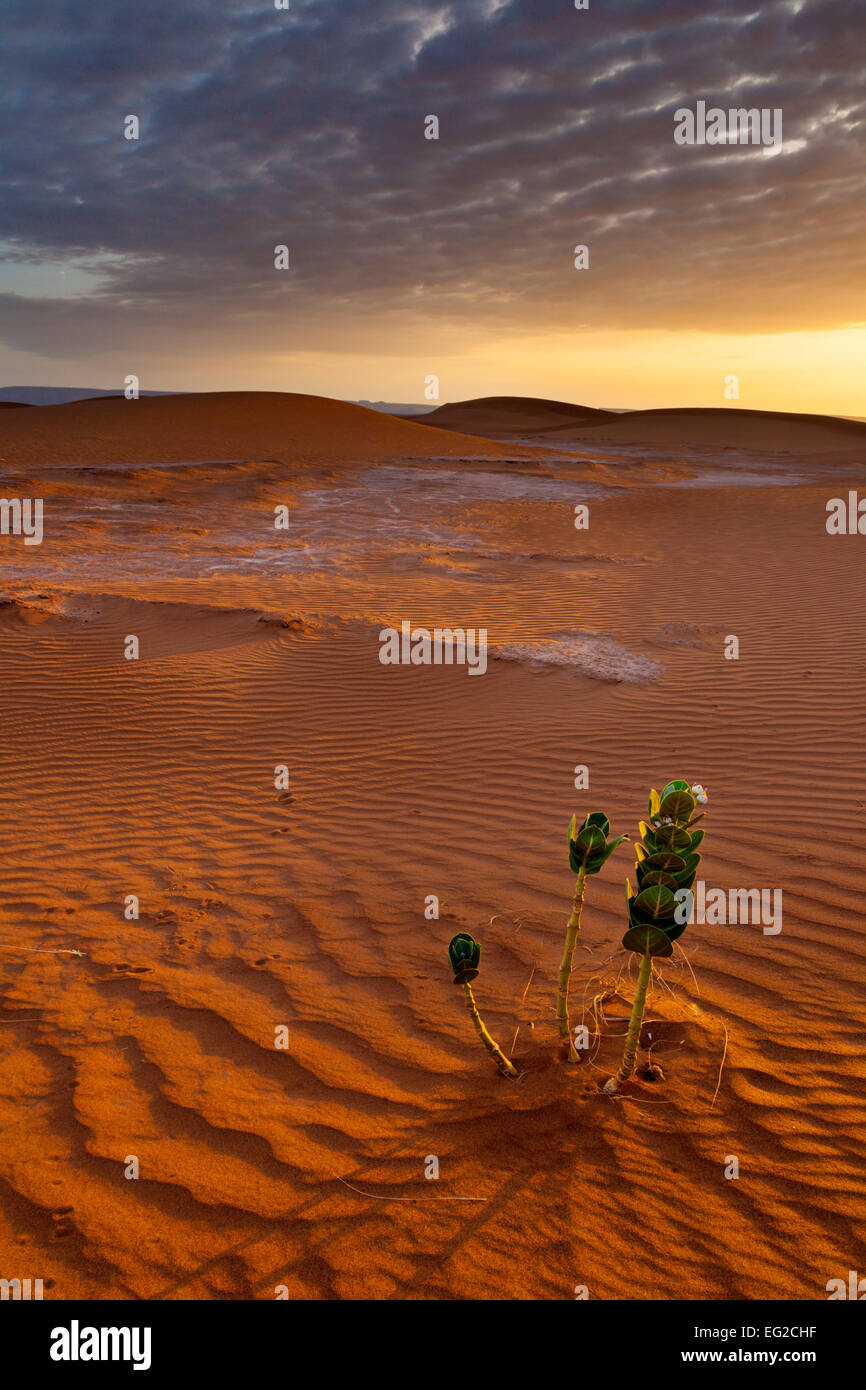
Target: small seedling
(588,851)
(658,912)
(464,954)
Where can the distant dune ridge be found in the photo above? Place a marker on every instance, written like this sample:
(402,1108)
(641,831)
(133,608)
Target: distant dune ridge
(512,414)
(396,407)
(196,426)
(62,395)
(560,424)
(222,425)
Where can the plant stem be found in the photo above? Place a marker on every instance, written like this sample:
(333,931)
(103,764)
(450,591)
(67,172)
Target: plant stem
(565,969)
(629,1056)
(493,1048)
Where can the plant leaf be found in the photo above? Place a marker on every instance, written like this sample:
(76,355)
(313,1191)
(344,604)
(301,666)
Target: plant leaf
(654,903)
(647,939)
(677,804)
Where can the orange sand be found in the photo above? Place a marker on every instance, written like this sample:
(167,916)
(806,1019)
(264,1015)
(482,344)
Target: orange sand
(261,1167)
(559,425)
(218,425)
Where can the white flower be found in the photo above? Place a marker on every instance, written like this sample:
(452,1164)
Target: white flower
(668,820)
(700,793)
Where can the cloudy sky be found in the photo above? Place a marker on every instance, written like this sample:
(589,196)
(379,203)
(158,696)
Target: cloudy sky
(412,257)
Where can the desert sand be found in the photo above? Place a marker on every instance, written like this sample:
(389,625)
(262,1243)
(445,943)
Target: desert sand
(495,415)
(558,424)
(219,425)
(304,1168)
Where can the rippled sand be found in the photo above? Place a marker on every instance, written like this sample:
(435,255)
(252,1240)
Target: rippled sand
(304,1168)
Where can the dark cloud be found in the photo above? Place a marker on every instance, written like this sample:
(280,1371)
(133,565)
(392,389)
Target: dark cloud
(306,128)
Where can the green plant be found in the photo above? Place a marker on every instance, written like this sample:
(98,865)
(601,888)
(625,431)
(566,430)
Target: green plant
(666,863)
(464,954)
(588,851)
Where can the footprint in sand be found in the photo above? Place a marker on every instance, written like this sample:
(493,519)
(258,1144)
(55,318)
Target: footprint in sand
(185,939)
(63,1223)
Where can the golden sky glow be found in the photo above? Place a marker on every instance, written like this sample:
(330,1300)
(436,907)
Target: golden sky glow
(409,256)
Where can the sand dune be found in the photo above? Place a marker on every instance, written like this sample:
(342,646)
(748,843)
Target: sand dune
(305,907)
(734,428)
(219,425)
(510,414)
(559,425)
